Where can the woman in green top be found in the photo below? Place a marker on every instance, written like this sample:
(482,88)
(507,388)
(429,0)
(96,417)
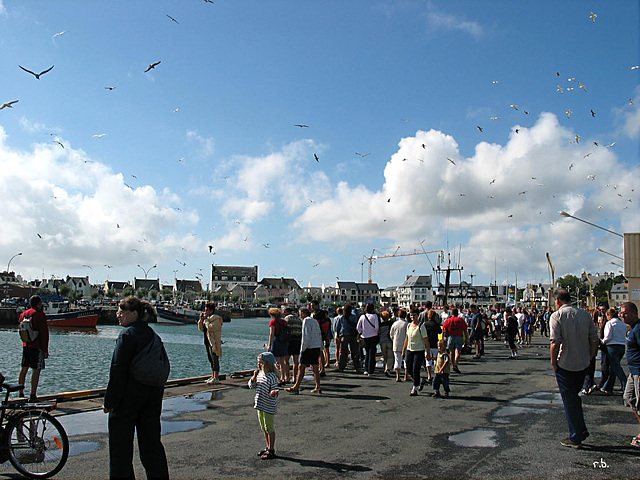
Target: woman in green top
(414,349)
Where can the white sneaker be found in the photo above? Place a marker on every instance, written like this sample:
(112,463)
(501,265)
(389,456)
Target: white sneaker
(208,380)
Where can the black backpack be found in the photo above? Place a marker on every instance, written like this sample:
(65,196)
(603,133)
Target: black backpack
(151,365)
(285,332)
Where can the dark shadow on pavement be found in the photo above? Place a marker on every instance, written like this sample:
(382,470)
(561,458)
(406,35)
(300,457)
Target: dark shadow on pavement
(622,449)
(336,467)
(473,398)
(325,393)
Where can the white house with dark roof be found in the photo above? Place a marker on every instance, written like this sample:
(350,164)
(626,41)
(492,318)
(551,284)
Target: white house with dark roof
(415,289)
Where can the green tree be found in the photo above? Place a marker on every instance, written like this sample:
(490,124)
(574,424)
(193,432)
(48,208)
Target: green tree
(153,294)
(578,289)
(128,291)
(603,287)
(43,292)
(142,293)
(167,294)
(64,290)
(94,295)
(111,294)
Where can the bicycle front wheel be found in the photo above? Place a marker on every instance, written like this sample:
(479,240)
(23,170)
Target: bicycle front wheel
(38,444)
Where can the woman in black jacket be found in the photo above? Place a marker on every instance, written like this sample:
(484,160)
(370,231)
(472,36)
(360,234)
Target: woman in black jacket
(132,405)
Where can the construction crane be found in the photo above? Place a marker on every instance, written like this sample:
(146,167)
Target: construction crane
(377,257)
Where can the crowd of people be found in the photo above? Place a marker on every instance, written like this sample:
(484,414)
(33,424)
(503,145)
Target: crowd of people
(422,338)
(410,340)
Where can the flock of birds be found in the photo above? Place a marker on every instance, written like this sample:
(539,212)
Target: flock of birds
(570,87)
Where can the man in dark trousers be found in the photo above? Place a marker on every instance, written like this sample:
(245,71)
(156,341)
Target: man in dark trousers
(34,353)
(574,342)
(631,396)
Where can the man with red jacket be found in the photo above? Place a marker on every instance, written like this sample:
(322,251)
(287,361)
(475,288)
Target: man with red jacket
(455,330)
(34,353)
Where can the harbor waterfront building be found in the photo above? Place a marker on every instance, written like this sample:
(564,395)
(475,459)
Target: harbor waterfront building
(358,293)
(619,294)
(415,289)
(243,283)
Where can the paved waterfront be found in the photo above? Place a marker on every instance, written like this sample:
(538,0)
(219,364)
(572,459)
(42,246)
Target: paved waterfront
(503,421)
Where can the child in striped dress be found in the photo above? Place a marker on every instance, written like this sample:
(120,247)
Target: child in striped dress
(265,380)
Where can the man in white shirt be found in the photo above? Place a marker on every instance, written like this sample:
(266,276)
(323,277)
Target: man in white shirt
(574,342)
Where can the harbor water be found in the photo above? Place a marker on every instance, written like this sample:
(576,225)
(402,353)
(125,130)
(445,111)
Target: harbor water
(79,359)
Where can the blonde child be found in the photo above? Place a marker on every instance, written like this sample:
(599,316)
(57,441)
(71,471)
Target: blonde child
(443,367)
(265,380)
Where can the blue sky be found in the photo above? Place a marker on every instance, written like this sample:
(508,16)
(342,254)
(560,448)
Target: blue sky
(409,110)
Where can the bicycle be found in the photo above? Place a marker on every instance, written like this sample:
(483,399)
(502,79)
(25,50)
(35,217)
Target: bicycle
(32,439)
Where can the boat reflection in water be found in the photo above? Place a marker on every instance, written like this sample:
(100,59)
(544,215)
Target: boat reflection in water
(73,330)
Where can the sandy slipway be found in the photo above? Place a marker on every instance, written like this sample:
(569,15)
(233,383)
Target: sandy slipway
(504,420)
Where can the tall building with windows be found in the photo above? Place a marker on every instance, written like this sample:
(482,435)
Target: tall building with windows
(230,276)
(415,289)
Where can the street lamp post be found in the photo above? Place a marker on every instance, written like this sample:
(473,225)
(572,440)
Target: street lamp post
(146,271)
(604,251)
(9,264)
(568,215)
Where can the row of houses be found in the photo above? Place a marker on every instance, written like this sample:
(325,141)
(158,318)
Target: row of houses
(242,283)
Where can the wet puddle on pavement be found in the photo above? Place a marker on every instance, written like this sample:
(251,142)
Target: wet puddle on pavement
(88,423)
(529,404)
(475,438)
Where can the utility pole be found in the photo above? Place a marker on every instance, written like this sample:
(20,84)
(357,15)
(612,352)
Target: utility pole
(447,277)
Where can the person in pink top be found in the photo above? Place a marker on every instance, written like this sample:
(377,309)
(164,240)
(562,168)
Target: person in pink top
(455,331)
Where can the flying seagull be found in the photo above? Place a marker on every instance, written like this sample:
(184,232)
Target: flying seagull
(172,19)
(480,128)
(301,125)
(515,107)
(593,17)
(451,161)
(60,33)
(568,112)
(316,157)
(37,75)
(363,154)
(99,135)
(152,66)
(110,88)
(59,143)
(492,181)
(8,104)
(210,248)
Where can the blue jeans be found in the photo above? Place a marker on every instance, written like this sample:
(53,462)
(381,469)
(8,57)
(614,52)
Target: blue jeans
(441,378)
(616,352)
(569,384)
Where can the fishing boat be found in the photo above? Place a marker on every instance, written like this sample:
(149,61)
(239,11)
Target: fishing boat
(178,316)
(187,315)
(59,315)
